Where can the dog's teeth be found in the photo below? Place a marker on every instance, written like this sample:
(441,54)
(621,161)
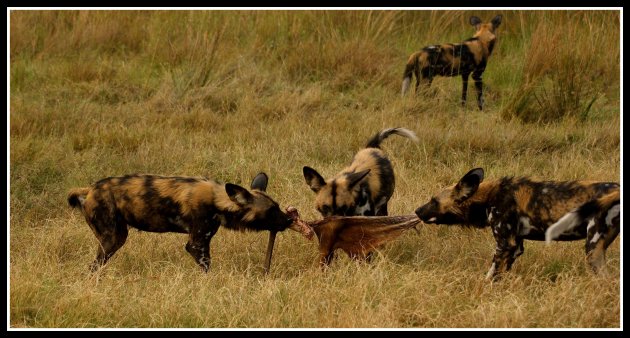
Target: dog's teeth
(432,219)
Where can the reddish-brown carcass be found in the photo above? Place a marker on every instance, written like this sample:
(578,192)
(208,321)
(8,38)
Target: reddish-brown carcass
(358,236)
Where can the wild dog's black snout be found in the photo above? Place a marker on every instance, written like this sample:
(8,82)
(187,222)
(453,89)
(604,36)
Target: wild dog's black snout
(281,222)
(286,221)
(423,213)
(419,212)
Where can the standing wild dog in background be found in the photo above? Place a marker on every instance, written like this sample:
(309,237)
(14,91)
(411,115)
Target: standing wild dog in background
(192,205)
(364,187)
(468,57)
(522,208)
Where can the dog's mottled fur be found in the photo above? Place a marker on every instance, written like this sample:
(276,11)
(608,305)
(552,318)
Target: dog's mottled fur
(193,205)
(466,58)
(364,187)
(522,208)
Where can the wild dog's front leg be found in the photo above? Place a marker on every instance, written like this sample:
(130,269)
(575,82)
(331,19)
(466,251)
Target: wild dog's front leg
(199,245)
(382,211)
(479,86)
(509,246)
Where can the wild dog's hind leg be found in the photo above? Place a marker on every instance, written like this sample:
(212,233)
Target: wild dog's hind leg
(601,232)
(111,238)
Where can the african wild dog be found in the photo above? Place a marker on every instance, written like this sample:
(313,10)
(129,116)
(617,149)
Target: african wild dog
(523,208)
(468,57)
(364,187)
(192,205)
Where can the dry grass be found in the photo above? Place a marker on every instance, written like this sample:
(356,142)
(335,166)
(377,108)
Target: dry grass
(228,94)
(557,81)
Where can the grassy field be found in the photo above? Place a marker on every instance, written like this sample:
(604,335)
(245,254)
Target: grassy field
(227,94)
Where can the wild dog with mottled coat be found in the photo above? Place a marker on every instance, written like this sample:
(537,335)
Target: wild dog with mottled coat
(523,208)
(192,205)
(364,187)
(452,59)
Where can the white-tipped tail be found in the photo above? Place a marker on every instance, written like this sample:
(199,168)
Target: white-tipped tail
(567,222)
(375,141)
(405,85)
(400,131)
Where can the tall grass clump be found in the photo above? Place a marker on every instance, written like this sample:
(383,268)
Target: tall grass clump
(567,67)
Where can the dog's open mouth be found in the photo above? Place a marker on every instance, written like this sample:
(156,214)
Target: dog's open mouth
(298,224)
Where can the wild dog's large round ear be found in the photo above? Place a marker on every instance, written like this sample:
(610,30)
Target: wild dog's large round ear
(468,185)
(313,179)
(260,182)
(238,194)
(478,172)
(355,178)
(474,20)
(496,21)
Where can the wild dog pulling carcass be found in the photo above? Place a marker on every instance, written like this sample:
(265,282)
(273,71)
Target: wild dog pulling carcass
(196,206)
(358,236)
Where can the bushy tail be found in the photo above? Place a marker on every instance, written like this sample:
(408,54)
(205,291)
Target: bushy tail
(76,196)
(375,141)
(411,65)
(592,209)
